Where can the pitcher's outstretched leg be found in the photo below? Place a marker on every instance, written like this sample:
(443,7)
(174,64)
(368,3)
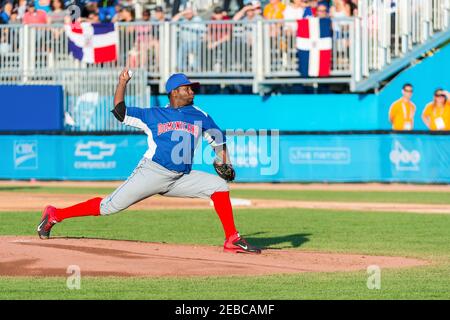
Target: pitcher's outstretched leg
(52,215)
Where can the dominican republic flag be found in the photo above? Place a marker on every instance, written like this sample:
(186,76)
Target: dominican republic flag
(314,46)
(93,43)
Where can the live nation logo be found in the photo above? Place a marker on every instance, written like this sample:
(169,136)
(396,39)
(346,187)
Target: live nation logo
(95,155)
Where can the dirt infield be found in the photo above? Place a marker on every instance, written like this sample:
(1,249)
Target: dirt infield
(30,256)
(23,201)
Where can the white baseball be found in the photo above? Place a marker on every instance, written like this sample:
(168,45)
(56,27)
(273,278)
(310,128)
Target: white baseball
(130,73)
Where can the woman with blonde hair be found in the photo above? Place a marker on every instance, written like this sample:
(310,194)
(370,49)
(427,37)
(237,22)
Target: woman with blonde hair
(436,114)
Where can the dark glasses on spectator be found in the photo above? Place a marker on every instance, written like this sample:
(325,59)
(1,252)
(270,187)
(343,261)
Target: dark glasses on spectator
(407,90)
(440,95)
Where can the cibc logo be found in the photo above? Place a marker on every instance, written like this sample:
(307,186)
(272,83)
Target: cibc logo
(26,154)
(403,159)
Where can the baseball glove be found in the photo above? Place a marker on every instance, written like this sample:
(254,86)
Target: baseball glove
(225,171)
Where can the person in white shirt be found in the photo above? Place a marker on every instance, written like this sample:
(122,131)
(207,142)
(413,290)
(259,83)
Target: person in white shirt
(294,11)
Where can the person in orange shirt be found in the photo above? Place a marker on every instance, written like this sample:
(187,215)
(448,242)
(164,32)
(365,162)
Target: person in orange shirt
(436,114)
(402,111)
(274,10)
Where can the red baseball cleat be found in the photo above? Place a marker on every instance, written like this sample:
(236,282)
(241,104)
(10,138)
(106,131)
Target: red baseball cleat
(237,244)
(47,222)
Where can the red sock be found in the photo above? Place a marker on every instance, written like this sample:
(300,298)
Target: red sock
(87,208)
(224,210)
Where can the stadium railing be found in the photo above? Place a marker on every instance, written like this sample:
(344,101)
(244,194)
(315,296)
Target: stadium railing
(217,52)
(366,49)
(389,37)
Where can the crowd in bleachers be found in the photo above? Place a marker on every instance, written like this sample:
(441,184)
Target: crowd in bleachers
(55,11)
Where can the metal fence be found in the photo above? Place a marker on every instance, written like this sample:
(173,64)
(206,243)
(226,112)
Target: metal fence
(235,52)
(218,52)
(386,32)
(281,54)
(88,98)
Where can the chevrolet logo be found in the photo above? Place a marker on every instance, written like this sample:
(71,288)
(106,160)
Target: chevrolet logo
(95,150)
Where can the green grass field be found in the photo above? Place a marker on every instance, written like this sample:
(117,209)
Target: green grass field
(393,234)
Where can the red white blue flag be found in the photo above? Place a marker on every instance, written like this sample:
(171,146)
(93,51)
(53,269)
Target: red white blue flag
(93,43)
(314,45)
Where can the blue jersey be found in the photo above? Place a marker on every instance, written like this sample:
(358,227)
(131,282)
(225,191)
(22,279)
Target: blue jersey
(173,133)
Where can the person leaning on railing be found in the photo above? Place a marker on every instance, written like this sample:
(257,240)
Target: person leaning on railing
(436,114)
(217,38)
(6,7)
(402,111)
(294,11)
(274,11)
(58,13)
(226,4)
(34,16)
(189,36)
(248,14)
(159,15)
(146,46)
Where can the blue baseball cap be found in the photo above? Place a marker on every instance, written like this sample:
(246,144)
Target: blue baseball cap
(178,80)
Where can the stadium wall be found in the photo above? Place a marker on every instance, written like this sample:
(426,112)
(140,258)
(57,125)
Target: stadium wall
(305,158)
(328,112)
(31,108)
(347,153)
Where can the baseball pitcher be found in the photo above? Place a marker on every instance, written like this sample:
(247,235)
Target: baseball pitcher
(166,168)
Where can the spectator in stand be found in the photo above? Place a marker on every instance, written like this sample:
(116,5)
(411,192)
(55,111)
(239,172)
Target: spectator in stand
(90,7)
(217,37)
(146,47)
(42,5)
(126,14)
(250,12)
(310,9)
(93,18)
(135,5)
(14,19)
(33,16)
(189,36)
(226,4)
(176,7)
(106,10)
(160,15)
(354,7)
(146,16)
(436,114)
(274,10)
(340,8)
(402,111)
(294,11)
(21,9)
(6,7)
(57,14)
(323,10)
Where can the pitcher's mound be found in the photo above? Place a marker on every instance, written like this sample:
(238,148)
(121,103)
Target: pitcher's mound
(30,256)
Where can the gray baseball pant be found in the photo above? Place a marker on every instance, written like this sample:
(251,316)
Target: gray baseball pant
(150,178)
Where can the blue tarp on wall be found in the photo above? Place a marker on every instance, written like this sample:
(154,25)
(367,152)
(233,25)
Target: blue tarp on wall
(297,112)
(31,108)
(325,158)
